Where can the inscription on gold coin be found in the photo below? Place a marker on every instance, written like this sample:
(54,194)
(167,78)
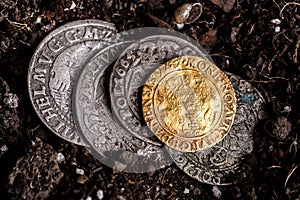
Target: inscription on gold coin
(189,104)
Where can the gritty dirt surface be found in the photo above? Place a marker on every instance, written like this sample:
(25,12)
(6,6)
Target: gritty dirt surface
(243,37)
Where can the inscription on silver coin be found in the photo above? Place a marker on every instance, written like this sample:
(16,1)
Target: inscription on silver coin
(108,141)
(131,71)
(219,164)
(55,65)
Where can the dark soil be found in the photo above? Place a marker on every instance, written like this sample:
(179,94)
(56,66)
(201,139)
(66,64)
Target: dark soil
(242,41)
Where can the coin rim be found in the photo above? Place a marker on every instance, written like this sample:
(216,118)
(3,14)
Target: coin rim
(34,58)
(166,34)
(182,165)
(154,124)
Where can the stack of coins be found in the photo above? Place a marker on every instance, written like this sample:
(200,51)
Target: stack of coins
(143,99)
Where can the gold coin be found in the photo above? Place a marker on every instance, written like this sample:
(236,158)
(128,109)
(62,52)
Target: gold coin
(189,104)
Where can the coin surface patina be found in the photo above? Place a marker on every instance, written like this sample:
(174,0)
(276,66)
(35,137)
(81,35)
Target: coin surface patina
(222,164)
(108,141)
(132,68)
(54,67)
(189,103)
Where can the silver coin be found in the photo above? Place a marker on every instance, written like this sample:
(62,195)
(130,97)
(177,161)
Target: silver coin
(131,71)
(220,164)
(108,141)
(54,66)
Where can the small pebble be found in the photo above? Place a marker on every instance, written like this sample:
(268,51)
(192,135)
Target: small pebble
(276,21)
(186,191)
(38,20)
(187,13)
(89,198)
(4,148)
(277,29)
(180,26)
(82,179)
(11,100)
(73,5)
(60,158)
(79,171)
(119,197)
(287,109)
(100,194)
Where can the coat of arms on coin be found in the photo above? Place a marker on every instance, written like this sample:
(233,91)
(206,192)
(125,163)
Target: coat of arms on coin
(189,104)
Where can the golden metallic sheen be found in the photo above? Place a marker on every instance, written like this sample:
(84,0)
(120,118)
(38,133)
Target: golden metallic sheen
(189,104)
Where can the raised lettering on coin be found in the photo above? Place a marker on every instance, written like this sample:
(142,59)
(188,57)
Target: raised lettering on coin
(189,104)
(54,67)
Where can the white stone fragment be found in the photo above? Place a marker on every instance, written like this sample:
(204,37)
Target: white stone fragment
(180,26)
(276,21)
(100,194)
(73,5)
(4,148)
(60,158)
(38,20)
(89,198)
(287,109)
(277,29)
(79,171)
(186,191)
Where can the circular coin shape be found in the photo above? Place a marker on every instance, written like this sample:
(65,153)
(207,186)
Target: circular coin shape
(109,142)
(189,104)
(221,164)
(54,66)
(131,70)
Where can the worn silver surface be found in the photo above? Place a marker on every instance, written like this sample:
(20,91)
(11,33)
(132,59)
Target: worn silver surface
(131,71)
(219,164)
(109,142)
(55,65)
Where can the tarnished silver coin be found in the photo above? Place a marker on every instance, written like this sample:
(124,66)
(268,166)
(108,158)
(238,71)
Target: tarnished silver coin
(131,71)
(108,141)
(219,165)
(55,65)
